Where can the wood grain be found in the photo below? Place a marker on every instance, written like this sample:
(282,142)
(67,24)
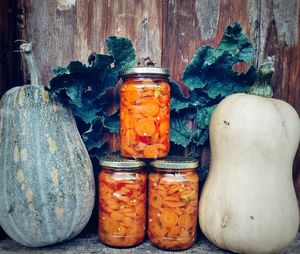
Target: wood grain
(85,244)
(167,31)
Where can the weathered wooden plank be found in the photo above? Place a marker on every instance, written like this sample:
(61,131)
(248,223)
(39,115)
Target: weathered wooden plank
(279,35)
(85,244)
(67,30)
(272,26)
(53,30)
(141,22)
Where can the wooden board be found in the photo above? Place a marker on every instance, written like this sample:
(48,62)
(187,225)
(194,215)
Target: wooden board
(167,31)
(85,244)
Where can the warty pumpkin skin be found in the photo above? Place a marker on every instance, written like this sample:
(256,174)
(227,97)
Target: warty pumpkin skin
(248,203)
(46,179)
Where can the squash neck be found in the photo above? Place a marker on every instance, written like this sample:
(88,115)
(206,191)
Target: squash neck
(262,86)
(26,50)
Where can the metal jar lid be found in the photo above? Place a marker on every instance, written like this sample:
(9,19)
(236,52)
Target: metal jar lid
(116,161)
(146,70)
(175,162)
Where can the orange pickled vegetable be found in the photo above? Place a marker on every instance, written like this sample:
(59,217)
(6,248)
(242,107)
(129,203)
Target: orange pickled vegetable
(155,200)
(151,151)
(145,110)
(168,217)
(172,218)
(122,208)
(174,231)
(164,127)
(160,230)
(185,221)
(131,137)
(131,93)
(129,121)
(145,127)
(149,107)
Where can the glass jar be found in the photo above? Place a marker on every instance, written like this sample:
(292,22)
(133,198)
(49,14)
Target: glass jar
(173,203)
(145,113)
(122,201)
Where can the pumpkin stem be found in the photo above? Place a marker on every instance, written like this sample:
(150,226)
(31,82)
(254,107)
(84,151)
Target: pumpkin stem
(26,50)
(262,85)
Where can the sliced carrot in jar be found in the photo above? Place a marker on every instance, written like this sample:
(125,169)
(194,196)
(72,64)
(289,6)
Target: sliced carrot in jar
(145,127)
(131,137)
(149,107)
(173,204)
(163,139)
(162,153)
(164,100)
(109,226)
(129,151)
(133,215)
(164,127)
(147,93)
(178,210)
(141,210)
(129,121)
(172,198)
(168,218)
(164,87)
(154,177)
(155,200)
(161,146)
(128,221)
(130,92)
(117,216)
(190,209)
(174,232)
(184,237)
(185,221)
(154,138)
(112,204)
(126,211)
(151,152)
(160,230)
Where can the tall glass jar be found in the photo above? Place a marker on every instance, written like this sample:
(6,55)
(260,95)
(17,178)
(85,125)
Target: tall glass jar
(145,113)
(122,201)
(173,203)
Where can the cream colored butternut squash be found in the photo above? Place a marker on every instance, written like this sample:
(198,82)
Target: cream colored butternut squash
(248,203)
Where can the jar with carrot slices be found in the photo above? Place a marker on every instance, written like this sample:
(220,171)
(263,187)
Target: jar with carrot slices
(173,203)
(145,113)
(122,201)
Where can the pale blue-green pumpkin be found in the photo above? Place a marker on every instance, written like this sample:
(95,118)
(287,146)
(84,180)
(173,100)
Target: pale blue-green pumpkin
(47,188)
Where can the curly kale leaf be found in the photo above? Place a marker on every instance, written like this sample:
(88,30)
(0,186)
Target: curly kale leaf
(88,89)
(210,77)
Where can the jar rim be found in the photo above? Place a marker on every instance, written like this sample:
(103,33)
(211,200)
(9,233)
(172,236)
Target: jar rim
(176,162)
(116,161)
(146,70)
